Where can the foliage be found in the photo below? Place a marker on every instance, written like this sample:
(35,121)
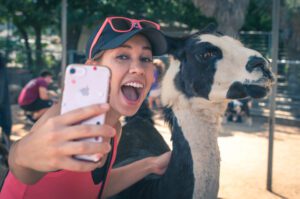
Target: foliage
(292,4)
(31,17)
(167,11)
(259,16)
(34,18)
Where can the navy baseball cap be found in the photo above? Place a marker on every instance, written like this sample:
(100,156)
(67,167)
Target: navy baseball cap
(110,39)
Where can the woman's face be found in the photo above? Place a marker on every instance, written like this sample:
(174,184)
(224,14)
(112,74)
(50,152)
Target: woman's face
(132,74)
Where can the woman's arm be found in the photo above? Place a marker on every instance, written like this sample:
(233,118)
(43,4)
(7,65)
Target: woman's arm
(123,177)
(51,145)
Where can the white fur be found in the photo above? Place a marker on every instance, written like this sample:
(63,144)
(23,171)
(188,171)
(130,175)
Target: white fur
(231,67)
(169,92)
(201,130)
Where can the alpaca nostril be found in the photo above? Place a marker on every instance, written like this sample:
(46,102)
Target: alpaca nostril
(256,62)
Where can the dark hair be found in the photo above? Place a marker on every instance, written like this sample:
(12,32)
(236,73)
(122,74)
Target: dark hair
(45,73)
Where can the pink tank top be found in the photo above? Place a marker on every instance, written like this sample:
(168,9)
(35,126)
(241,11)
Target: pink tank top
(57,185)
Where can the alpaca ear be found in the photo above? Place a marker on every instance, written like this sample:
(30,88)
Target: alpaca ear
(209,29)
(176,46)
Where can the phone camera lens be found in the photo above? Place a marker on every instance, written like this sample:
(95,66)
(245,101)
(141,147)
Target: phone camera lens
(72,70)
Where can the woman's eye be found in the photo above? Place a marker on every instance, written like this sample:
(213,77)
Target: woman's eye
(122,57)
(146,59)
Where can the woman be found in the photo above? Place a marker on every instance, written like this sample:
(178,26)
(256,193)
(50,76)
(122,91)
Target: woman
(42,163)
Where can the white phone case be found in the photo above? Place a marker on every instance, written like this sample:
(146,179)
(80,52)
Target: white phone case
(85,85)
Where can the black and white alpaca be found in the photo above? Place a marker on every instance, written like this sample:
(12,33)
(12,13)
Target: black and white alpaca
(210,70)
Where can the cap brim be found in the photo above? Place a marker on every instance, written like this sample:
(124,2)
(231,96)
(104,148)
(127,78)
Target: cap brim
(156,38)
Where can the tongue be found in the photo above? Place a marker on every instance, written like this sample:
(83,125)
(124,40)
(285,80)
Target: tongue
(130,93)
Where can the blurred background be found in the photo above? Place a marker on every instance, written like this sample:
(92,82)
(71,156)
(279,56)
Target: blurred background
(30,36)
(32,39)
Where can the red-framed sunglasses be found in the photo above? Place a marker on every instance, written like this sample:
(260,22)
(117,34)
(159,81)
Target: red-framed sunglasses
(122,25)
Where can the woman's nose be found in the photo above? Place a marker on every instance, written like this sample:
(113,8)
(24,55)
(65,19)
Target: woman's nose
(137,68)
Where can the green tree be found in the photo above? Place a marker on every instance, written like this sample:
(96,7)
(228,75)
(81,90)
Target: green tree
(31,17)
(87,13)
(259,16)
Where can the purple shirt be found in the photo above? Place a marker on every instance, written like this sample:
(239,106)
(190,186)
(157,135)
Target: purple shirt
(31,91)
(155,84)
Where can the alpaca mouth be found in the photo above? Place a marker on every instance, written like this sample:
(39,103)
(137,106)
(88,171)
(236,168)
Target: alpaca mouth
(262,82)
(254,89)
(132,90)
(258,88)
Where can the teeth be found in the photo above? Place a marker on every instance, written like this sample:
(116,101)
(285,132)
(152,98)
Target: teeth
(135,84)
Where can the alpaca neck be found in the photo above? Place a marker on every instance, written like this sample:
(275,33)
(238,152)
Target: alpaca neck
(200,123)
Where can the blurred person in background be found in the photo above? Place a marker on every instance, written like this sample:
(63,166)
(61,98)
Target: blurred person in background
(35,98)
(5,112)
(154,95)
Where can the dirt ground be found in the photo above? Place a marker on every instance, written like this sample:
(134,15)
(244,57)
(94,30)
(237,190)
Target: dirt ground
(244,157)
(244,154)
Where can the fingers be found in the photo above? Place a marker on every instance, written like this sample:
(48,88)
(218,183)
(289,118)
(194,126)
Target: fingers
(82,114)
(72,164)
(87,131)
(85,148)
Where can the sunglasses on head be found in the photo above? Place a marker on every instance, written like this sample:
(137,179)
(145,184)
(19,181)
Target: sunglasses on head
(122,25)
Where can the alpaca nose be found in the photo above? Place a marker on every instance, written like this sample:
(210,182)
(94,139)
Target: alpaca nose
(259,63)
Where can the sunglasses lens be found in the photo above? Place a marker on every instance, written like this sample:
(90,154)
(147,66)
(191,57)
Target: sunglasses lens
(121,24)
(149,24)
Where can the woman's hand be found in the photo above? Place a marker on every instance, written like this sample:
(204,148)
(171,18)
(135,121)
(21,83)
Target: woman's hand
(160,163)
(55,139)
(127,175)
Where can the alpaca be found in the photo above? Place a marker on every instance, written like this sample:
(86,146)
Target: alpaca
(211,69)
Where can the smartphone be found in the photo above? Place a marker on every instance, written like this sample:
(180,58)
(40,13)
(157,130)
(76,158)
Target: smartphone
(85,85)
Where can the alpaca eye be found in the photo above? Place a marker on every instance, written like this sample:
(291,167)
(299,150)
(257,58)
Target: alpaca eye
(205,55)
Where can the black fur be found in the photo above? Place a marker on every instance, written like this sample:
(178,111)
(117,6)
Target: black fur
(143,112)
(239,91)
(260,64)
(140,138)
(198,67)
(182,184)
(236,91)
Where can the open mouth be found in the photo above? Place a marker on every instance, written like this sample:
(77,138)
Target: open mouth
(132,90)
(262,82)
(259,88)
(255,89)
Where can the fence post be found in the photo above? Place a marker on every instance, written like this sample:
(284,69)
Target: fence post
(275,32)
(64,5)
